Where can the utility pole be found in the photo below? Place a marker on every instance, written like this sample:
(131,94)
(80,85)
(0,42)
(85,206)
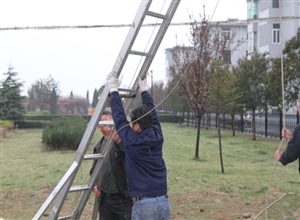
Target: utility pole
(151,83)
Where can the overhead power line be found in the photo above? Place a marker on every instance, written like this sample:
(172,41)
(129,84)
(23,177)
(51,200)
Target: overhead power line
(229,21)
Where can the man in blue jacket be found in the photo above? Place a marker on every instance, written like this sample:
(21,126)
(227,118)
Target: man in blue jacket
(145,166)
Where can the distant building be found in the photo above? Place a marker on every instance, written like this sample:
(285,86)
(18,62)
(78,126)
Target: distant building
(265,36)
(228,29)
(270,36)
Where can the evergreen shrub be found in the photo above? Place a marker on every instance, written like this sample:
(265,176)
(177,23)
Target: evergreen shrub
(45,112)
(64,133)
(41,117)
(6,123)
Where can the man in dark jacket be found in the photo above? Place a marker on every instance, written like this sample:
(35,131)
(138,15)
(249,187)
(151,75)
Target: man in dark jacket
(145,166)
(114,200)
(292,151)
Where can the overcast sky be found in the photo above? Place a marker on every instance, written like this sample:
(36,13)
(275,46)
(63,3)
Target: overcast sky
(80,59)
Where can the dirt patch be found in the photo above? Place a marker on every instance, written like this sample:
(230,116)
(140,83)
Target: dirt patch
(184,206)
(3,132)
(225,206)
(297,213)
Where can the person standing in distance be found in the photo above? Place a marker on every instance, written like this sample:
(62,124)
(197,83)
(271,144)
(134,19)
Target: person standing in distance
(145,166)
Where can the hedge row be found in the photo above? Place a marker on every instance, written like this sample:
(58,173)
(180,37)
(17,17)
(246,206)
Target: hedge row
(41,121)
(33,124)
(169,118)
(53,117)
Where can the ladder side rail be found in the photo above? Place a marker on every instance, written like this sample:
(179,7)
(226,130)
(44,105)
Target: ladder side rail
(60,198)
(153,49)
(87,136)
(131,36)
(56,190)
(89,132)
(159,36)
(96,176)
(96,209)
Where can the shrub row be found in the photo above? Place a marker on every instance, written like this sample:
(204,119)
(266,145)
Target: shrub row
(53,117)
(32,124)
(169,118)
(29,118)
(66,132)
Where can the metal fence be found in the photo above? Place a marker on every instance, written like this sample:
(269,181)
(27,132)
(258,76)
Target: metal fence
(266,125)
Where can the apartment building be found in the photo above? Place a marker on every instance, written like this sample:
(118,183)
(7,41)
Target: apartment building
(230,29)
(274,25)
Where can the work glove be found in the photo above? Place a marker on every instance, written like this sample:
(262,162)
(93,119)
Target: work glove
(113,82)
(143,84)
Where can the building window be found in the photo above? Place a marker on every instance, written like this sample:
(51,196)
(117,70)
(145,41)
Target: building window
(276,34)
(227,56)
(226,35)
(252,8)
(275,3)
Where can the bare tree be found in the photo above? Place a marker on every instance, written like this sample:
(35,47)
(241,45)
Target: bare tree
(158,93)
(193,66)
(40,93)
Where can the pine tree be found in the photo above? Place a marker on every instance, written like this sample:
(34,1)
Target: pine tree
(87,99)
(71,95)
(11,107)
(53,102)
(95,98)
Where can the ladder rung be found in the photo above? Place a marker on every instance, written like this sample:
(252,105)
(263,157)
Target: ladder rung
(106,123)
(156,15)
(64,217)
(126,95)
(134,52)
(93,156)
(126,90)
(79,188)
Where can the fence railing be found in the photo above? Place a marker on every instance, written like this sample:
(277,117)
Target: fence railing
(266,125)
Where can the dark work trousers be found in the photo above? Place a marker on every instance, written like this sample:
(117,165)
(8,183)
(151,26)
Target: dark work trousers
(115,207)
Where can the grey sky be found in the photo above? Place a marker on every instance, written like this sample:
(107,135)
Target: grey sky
(80,59)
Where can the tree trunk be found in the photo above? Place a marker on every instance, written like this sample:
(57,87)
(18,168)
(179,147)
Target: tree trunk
(180,115)
(207,121)
(233,124)
(253,126)
(198,138)
(220,146)
(266,122)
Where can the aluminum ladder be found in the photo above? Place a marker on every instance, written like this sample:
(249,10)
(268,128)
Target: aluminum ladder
(60,192)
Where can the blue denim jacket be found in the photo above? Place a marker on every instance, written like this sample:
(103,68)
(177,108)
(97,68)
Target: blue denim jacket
(145,166)
(292,151)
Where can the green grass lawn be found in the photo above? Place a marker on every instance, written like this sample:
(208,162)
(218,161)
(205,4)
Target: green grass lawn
(197,188)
